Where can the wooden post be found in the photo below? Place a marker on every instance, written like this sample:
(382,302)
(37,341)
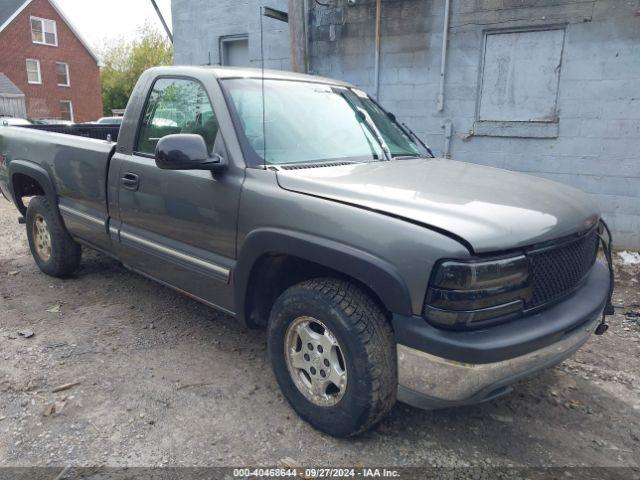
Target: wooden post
(298,36)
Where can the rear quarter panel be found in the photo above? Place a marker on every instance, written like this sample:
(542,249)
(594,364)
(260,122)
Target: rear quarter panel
(76,166)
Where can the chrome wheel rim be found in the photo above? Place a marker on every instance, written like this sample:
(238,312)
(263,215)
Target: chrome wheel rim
(315,361)
(41,237)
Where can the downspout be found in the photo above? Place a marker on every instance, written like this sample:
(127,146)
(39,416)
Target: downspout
(376,65)
(443,63)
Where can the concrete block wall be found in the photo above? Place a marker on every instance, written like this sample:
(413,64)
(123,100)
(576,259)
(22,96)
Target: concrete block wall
(598,103)
(198,26)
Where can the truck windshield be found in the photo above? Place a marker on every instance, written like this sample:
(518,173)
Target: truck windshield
(309,122)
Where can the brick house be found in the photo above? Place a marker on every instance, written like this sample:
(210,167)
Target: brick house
(45,57)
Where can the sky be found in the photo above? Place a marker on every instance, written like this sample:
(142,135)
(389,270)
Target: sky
(101,22)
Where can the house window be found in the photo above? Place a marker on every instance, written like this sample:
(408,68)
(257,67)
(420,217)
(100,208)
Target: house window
(62,73)
(44,31)
(234,51)
(66,110)
(33,71)
(520,74)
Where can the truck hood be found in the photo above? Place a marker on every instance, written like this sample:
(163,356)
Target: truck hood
(491,209)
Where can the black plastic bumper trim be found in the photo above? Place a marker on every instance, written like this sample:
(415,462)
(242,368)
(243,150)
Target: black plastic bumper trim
(514,338)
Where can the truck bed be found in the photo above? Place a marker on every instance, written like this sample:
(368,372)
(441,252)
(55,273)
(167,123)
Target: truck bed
(76,164)
(88,130)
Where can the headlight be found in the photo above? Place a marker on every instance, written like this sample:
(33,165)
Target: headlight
(477,293)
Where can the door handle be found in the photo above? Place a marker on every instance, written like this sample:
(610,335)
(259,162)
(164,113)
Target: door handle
(130,181)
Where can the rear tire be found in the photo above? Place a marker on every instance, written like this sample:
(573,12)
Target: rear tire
(330,313)
(53,249)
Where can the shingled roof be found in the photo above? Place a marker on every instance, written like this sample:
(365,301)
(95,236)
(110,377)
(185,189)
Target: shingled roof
(10,9)
(7,87)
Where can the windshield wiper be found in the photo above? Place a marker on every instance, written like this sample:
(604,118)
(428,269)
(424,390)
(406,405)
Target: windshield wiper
(364,116)
(416,137)
(410,133)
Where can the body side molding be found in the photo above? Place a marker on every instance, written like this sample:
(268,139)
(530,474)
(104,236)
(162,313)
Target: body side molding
(218,270)
(65,210)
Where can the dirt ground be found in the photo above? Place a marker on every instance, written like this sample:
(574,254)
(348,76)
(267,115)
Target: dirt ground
(164,380)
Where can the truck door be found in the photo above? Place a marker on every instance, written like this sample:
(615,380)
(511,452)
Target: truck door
(179,227)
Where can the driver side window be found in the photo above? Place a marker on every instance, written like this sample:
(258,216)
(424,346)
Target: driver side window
(176,105)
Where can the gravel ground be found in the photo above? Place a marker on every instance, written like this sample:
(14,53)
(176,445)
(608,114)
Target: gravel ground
(164,380)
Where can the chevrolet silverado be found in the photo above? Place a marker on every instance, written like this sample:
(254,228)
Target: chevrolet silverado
(298,204)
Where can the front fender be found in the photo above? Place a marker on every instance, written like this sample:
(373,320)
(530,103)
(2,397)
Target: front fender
(379,275)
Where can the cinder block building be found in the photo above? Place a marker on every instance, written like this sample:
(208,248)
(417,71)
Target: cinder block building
(48,61)
(548,87)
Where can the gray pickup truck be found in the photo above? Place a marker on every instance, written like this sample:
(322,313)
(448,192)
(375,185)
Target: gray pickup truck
(297,203)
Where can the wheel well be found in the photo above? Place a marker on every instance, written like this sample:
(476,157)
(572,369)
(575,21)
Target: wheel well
(272,274)
(25,186)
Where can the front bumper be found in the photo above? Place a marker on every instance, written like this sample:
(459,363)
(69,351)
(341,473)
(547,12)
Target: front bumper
(438,368)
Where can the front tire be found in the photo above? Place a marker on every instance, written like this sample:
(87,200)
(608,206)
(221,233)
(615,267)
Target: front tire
(334,355)
(53,249)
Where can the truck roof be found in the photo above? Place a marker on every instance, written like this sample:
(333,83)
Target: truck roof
(243,72)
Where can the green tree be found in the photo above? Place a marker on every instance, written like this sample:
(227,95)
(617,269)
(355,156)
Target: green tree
(124,61)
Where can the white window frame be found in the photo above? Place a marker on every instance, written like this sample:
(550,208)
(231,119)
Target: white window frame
(39,82)
(70,108)
(44,38)
(66,66)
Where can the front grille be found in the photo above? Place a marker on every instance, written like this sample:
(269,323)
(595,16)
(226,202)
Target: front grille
(556,271)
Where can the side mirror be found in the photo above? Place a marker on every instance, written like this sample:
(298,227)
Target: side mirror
(187,151)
